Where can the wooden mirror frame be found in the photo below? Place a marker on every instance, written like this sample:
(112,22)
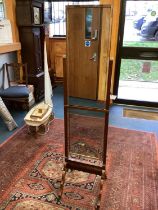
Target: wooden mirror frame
(75,164)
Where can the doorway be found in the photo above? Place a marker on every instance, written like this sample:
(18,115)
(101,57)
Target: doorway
(83,49)
(136,80)
(88,50)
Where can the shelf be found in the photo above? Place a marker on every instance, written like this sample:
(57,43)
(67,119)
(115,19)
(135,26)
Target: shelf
(10,47)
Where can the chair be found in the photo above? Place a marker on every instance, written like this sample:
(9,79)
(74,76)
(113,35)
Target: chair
(17,79)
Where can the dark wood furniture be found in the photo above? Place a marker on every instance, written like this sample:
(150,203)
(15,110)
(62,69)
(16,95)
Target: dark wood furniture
(16,73)
(17,81)
(85,116)
(30,21)
(79,155)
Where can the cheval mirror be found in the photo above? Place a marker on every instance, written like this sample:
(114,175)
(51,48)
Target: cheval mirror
(87,78)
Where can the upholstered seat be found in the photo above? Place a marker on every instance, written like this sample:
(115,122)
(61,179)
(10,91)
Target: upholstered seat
(15,92)
(18,89)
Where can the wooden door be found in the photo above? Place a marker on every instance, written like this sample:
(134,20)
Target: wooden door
(83,30)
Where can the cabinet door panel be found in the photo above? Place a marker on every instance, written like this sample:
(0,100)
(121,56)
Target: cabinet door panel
(27,48)
(29,16)
(37,48)
(32,48)
(25,12)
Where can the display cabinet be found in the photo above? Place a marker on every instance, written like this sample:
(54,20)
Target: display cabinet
(29,12)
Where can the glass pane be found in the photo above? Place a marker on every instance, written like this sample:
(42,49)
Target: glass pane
(88,23)
(141,24)
(2,14)
(86,136)
(86,102)
(138,80)
(58,25)
(47,12)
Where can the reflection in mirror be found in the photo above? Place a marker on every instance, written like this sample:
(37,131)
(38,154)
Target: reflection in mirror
(86,102)
(88,23)
(86,136)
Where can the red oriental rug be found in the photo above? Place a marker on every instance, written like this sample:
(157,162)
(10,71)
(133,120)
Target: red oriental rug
(30,173)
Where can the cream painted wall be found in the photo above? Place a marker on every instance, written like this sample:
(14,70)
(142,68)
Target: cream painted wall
(11,56)
(6,58)
(11,15)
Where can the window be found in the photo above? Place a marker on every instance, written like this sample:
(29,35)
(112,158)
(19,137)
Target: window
(2,14)
(58,25)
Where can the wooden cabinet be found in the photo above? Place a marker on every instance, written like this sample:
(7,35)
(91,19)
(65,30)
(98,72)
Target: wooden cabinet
(29,15)
(29,12)
(59,65)
(57,48)
(32,48)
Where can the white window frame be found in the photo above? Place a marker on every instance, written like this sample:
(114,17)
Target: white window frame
(57,28)
(2,10)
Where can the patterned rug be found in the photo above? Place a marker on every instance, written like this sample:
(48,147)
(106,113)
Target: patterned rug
(31,169)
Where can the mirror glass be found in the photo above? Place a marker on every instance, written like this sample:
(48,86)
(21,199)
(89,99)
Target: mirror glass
(86,83)
(86,136)
(86,102)
(83,56)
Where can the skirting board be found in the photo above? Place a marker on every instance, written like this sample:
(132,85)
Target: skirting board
(141,114)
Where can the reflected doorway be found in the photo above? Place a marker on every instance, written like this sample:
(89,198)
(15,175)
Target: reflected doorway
(136,79)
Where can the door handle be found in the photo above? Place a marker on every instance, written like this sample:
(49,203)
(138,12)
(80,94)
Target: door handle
(95,35)
(94,57)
